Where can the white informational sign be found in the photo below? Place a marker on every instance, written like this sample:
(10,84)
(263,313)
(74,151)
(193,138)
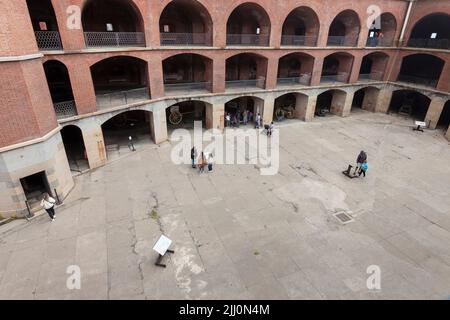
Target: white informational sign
(162,245)
(422,124)
(433,35)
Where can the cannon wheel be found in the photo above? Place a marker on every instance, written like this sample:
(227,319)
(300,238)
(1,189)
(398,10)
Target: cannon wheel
(175,117)
(289,112)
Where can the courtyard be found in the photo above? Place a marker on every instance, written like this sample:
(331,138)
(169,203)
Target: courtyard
(240,235)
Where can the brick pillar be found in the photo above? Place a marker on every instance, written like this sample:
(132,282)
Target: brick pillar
(434,112)
(215,114)
(272,71)
(159,126)
(323,35)
(348,104)
(304,107)
(317,71)
(218,81)
(267,114)
(156,78)
(383,101)
(341,103)
(95,146)
(354,76)
(447,135)
(69,24)
(363,34)
(82,86)
(444,81)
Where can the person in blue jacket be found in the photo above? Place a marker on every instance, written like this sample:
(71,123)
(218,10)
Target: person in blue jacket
(363,169)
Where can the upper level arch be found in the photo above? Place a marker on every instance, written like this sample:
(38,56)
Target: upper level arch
(431,31)
(344,29)
(300,28)
(383,31)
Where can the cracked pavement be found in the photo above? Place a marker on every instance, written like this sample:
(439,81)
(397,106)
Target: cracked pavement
(240,235)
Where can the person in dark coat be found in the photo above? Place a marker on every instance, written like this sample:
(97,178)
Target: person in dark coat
(362,157)
(193,156)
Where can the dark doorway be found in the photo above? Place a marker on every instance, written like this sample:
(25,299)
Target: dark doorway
(184,114)
(75,149)
(444,119)
(34,186)
(409,103)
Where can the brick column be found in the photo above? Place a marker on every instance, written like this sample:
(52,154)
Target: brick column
(305,107)
(354,76)
(95,145)
(69,24)
(272,71)
(267,114)
(383,101)
(82,86)
(348,104)
(317,72)
(215,114)
(434,112)
(341,103)
(155,76)
(447,135)
(444,81)
(323,35)
(159,126)
(218,81)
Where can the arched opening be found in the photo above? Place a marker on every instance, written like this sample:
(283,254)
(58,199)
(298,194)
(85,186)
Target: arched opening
(117,131)
(344,30)
(337,67)
(330,102)
(365,99)
(410,104)
(300,28)
(186,72)
(120,81)
(290,106)
(44,23)
(248,25)
(112,23)
(432,31)
(421,69)
(382,32)
(246,70)
(444,119)
(373,66)
(185,23)
(294,69)
(184,114)
(72,138)
(244,110)
(58,81)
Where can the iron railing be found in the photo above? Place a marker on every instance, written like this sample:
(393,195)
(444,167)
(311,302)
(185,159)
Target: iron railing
(114,39)
(48,40)
(254,83)
(120,98)
(65,109)
(187,86)
(341,77)
(380,42)
(183,39)
(374,76)
(247,39)
(430,43)
(298,41)
(304,79)
(342,41)
(418,80)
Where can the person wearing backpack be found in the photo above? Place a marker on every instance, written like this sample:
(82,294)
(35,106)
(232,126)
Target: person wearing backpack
(363,169)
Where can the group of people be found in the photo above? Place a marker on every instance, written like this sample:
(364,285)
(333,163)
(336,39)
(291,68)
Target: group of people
(245,117)
(202,161)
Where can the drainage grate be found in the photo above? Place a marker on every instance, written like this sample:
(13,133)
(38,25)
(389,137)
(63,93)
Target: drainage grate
(343,217)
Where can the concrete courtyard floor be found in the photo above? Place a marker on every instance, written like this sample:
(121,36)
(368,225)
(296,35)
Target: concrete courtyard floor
(240,235)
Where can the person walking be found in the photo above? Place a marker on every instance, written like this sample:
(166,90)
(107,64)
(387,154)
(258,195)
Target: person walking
(250,116)
(363,169)
(202,163)
(193,156)
(210,163)
(48,203)
(258,121)
(131,144)
(227,120)
(270,129)
(362,157)
(244,117)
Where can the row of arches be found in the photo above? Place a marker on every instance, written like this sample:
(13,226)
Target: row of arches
(122,80)
(137,124)
(188,22)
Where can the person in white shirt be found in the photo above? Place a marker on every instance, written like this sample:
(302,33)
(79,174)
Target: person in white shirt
(48,203)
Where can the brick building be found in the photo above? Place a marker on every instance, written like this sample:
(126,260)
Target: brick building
(73,72)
